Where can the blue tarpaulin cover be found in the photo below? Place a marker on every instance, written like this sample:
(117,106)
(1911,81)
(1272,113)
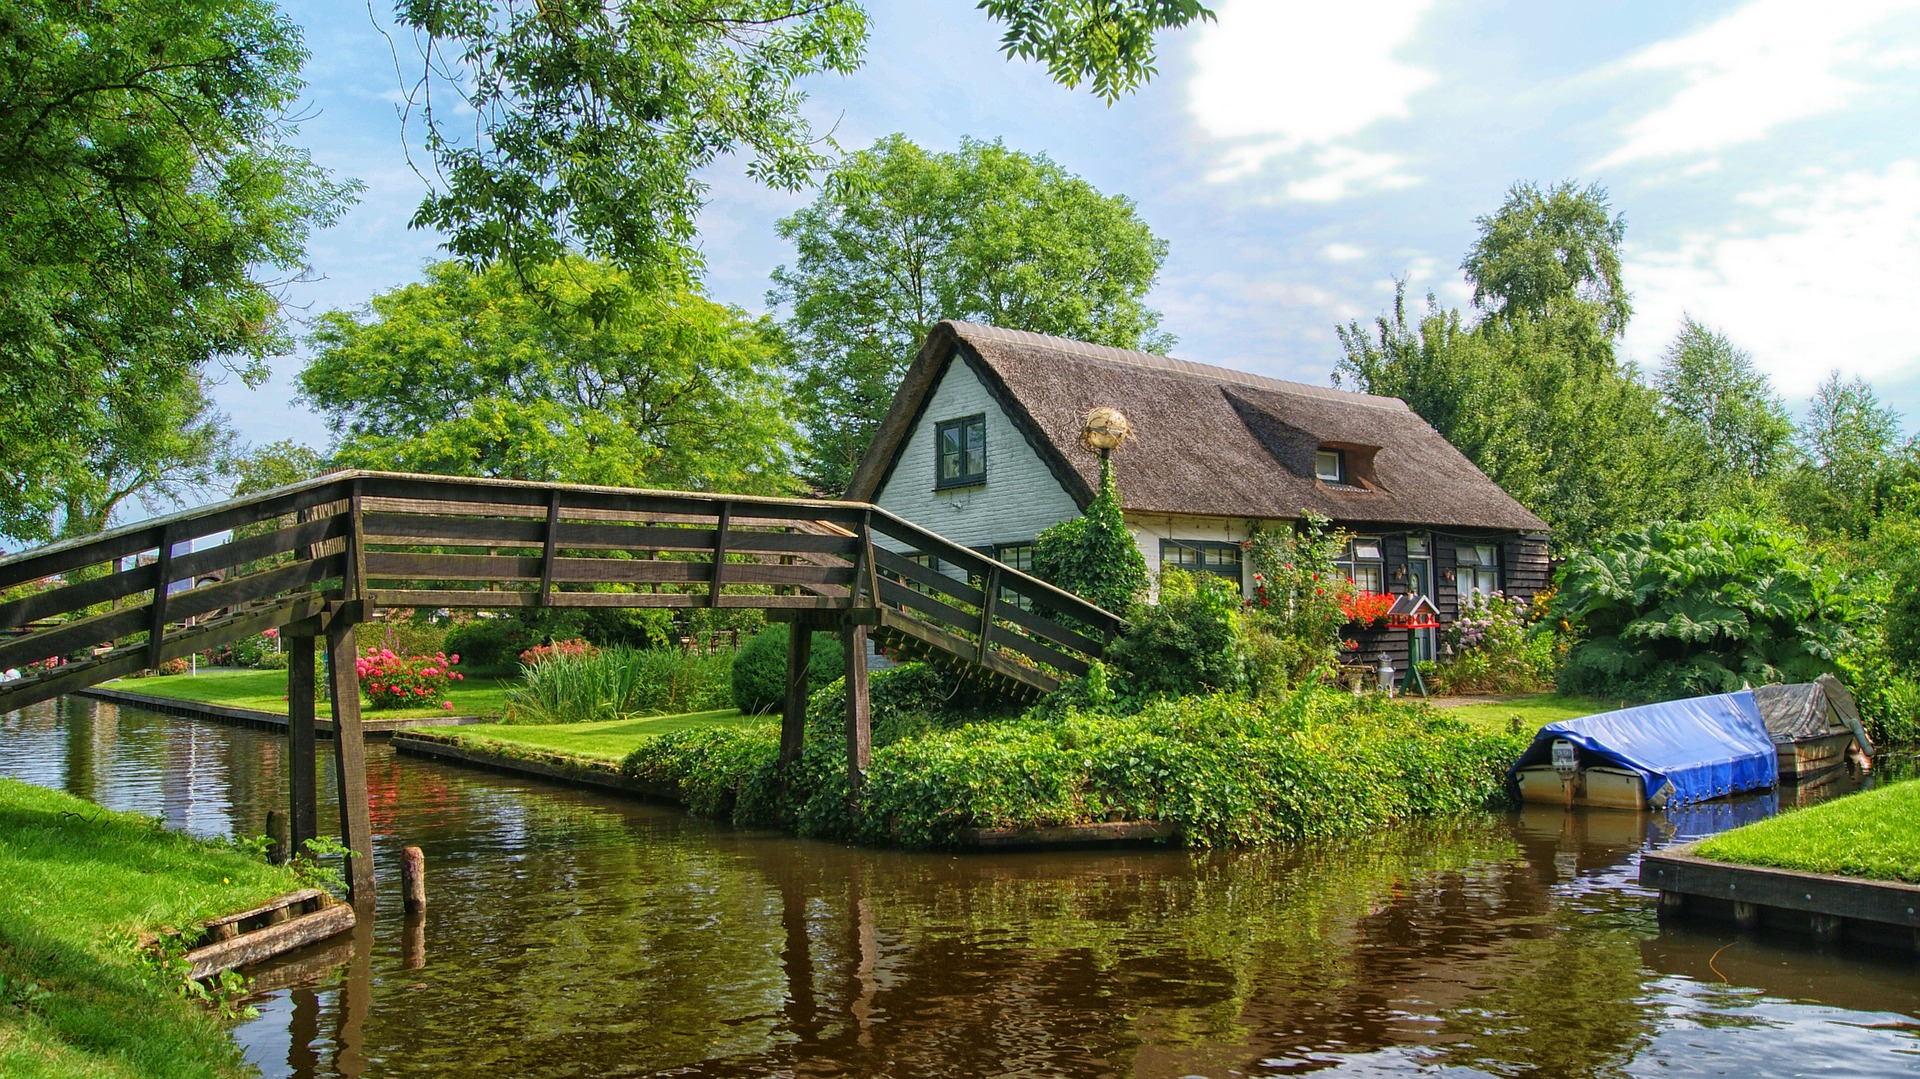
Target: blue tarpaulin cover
(1705,747)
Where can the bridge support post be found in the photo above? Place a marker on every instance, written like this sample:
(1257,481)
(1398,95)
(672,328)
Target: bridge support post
(859,708)
(793,707)
(303,795)
(350,760)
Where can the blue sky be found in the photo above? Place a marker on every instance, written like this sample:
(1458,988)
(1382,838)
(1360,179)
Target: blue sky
(1300,157)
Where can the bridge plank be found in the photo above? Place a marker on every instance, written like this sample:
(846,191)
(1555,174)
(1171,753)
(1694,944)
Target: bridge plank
(487,601)
(387,565)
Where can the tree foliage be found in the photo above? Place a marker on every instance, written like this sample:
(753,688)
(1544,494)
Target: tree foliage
(473,374)
(1542,249)
(1094,555)
(1539,404)
(1714,390)
(1670,610)
(580,125)
(151,195)
(1854,470)
(901,238)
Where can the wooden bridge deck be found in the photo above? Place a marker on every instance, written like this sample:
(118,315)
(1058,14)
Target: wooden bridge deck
(315,558)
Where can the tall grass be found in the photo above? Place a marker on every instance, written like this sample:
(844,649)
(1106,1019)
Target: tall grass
(618,683)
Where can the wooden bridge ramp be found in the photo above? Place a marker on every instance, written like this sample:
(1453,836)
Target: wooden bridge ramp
(314,559)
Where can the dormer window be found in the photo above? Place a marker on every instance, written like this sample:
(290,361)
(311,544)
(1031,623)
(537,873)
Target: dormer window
(1330,465)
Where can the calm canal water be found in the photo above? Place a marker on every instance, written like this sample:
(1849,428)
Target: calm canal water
(576,935)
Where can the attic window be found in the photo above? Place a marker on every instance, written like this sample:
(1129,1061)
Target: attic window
(1330,465)
(960,449)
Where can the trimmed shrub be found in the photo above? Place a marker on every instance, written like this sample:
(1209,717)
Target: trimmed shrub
(760,668)
(1192,641)
(491,646)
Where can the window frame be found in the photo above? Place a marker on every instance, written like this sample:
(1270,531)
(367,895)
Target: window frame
(1469,574)
(1201,548)
(1350,561)
(962,424)
(1339,464)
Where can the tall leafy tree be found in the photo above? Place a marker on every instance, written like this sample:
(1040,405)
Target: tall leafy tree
(162,445)
(1539,405)
(482,374)
(1726,404)
(1850,440)
(558,126)
(150,198)
(901,238)
(1542,249)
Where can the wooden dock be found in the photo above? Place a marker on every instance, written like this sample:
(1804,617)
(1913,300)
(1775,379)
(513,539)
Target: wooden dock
(282,925)
(1828,908)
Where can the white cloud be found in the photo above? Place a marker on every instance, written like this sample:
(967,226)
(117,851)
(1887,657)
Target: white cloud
(1339,252)
(1768,63)
(1275,79)
(1825,282)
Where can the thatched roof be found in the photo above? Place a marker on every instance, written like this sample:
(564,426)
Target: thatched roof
(1206,440)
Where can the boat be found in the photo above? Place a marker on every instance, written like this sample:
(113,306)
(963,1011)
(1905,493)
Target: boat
(1651,757)
(1814,727)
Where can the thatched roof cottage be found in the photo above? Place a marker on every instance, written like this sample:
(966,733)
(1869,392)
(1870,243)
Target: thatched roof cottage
(982,445)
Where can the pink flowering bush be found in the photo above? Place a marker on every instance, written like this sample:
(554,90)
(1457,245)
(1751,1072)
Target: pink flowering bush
(393,680)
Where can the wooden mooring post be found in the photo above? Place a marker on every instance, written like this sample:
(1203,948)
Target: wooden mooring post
(413,879)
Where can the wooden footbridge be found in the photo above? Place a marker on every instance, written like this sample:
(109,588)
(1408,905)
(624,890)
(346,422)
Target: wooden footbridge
(314,559)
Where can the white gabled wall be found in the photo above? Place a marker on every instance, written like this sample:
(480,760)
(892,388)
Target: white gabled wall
(1020,496)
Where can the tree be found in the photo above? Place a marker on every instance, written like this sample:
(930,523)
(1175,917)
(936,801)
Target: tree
(150,195)
(901,238)
(473,374)
(1539,405)
(276,464)
(1541,250)
(1726,403)
(590,120)
(1849,439)
(158,443)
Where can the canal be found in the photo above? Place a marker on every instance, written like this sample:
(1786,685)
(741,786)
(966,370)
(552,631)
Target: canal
(574,934)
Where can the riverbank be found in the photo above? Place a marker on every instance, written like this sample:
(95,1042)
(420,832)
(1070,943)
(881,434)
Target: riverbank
(81,884)
(266,691)
(1873,835)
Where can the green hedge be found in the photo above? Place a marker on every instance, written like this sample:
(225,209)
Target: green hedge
(760,668)
(1227,769)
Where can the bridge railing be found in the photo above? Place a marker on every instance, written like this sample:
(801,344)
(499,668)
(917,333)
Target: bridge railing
(135,597)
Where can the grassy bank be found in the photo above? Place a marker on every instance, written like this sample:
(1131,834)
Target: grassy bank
(1225,768)
(609,740)
(1873,834)
(266,691)
(1534,711)
(81,883)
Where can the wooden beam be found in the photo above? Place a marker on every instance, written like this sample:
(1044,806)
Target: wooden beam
(546,553)
(303,794)
(986,614)
(859,707)
(157,626)
(350,761)
(793,706)
(719,554)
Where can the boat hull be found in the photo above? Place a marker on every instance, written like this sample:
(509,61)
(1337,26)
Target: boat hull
(1812,756)
(1601,787)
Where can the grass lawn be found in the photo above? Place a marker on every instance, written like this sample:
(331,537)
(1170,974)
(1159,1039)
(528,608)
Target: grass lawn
(606,740)
(266,691)
(1873,834)
(80,883)
(1535,711)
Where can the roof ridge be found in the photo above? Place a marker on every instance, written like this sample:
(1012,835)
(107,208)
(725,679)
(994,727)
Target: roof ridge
(1170,365)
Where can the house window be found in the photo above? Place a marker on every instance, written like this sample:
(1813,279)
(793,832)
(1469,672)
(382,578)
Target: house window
(1364,564)
(1202,556)
(1330,465)
(1478,569)
(1017,555)
(960,447)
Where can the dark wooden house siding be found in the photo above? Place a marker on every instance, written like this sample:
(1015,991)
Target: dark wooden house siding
(1524,572)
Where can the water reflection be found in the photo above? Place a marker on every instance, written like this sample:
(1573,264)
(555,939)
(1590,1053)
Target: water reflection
(572,934)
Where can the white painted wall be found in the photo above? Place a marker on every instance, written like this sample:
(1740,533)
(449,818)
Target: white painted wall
(1020,496)
(1150,528)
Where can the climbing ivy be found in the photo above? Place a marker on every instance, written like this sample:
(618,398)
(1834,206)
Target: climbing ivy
(1094,555)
